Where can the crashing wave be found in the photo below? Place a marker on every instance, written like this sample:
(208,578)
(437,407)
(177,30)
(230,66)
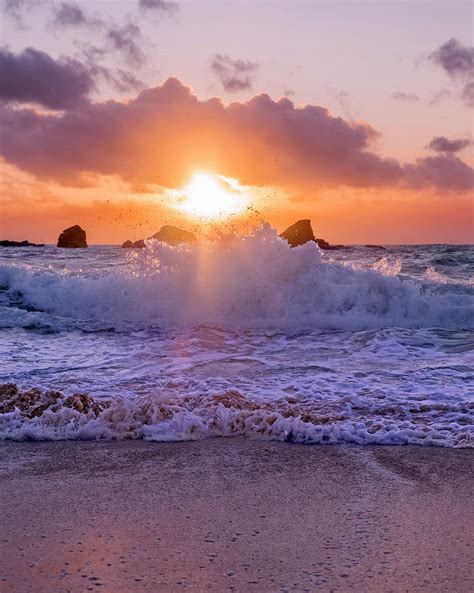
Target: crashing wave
(51,415)
(249,282)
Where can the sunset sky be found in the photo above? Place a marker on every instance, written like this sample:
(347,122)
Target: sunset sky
(122,116)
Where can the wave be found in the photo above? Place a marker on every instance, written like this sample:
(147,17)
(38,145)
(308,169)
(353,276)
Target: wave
(51,415)
(250,282)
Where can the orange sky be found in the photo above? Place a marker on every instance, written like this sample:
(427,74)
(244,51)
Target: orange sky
(371,140)
(39,211)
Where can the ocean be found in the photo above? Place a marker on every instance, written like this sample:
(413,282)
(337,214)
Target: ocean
(241,337)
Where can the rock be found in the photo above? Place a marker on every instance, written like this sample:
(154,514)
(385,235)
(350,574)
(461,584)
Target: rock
(299,233)
(375,247)
(74,237)
(167,234)
(34,402)
(20,244)
(322,244)
(8,391)
(83,403)
(173,235)
(134,244)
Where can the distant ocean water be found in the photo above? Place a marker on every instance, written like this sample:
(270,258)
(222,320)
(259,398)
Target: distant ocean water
(246,337)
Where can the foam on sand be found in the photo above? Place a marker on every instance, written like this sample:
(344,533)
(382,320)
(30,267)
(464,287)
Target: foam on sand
(50,415)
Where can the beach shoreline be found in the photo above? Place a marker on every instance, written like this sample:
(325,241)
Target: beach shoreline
(234,514)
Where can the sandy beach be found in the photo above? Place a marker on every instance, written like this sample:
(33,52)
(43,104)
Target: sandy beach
(234,515)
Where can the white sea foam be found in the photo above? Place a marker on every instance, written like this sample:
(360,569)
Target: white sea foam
(56,417)
(241,337)
(254,281)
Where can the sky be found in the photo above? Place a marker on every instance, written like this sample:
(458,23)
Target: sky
(357,115)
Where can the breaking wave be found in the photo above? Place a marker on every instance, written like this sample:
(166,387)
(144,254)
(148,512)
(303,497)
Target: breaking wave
(51,415)
(254,281)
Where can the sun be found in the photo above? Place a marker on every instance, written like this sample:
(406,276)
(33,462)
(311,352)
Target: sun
(212,196)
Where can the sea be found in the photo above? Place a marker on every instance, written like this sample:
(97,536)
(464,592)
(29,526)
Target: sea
(243,336)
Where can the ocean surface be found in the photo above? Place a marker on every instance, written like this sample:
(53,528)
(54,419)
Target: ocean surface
(241,337)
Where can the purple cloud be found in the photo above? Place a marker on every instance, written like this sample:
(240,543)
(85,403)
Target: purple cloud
(125,81)
(234,75)
(467,94)
(69,14)
(443,144)
(401,96)
(126,39)
(445,172)
(32,76)
(15,10)
(165,6)
(163,134)
(457,60)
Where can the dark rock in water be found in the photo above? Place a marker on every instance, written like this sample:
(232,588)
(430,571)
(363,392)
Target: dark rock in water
(322,244)
(168,234)
(20,244)
(7,391)
(74,237)
(173,235)
(375,247)
(134,244)
(301,232)
(34,402)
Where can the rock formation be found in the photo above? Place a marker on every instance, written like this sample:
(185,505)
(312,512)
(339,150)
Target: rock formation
(173,235)
(322,244)
(20,244)
(168,234)
(73,237)
(134,244)
(297,234)
(301,232)
(35,402)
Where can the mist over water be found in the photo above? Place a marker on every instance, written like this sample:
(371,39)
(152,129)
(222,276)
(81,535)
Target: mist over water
(246,336)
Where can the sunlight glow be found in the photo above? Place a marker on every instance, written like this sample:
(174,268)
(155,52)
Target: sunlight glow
(212,196)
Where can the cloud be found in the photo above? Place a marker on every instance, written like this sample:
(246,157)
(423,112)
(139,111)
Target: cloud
(234,75)
(401,96)
(445,172)
(443,144)
(166,133)
(124,81)
(162,6)
(15,10)
(126,39)
(457,60)
(32,76)
(467,94)
(68,14)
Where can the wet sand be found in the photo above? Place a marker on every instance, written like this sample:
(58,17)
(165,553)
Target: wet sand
(234,515)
